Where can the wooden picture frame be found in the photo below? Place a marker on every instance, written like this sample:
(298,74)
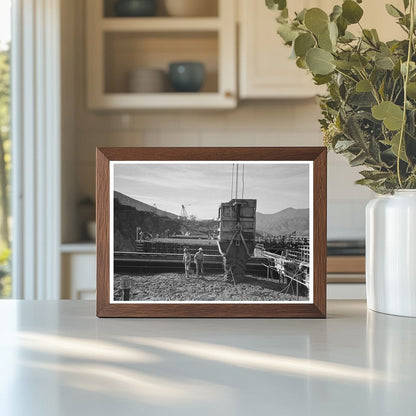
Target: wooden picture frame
(315,157)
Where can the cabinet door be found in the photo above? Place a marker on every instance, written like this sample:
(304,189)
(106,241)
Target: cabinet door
(78,276)
(265,68)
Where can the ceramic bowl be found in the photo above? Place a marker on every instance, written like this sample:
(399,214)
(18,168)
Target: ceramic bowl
(135,8)
(147,80)
(186,76)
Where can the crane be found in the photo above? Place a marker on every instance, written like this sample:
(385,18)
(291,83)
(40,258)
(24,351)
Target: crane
(184,213)
(235,180)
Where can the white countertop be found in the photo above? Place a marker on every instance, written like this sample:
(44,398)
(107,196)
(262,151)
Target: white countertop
(57,358)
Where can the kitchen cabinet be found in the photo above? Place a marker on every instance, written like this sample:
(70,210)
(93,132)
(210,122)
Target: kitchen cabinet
(265,70)
(78,271)
(118,45)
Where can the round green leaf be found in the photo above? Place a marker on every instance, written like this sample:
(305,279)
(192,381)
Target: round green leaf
(411,90)
(336,12)
(363,86)
(303,43)
(301,15)
(342,25)
(328,38)
(384,62)
(325,42)
(344,65)
(319,61)
(333,32)
(316,20)
(301,63)
(276,4)
(358,61)
(351,11)
(412,67)
(287,33)
(322,79)
(391,114)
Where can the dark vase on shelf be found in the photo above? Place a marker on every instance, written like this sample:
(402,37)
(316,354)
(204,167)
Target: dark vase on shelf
(135,8)
(186,76)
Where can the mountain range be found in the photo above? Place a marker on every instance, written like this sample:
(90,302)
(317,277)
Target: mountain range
(286,221)
(141,206)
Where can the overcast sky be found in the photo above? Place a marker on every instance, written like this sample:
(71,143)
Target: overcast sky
(202,187)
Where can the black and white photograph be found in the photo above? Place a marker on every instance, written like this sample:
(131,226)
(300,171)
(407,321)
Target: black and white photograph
(211,231)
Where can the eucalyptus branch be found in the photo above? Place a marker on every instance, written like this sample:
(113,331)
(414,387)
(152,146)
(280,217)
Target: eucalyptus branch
(352,118)
(406,80)
(373,88)
(398,95)
(392,91)
(369,40)
(404,28)
(346,75)
(358,45)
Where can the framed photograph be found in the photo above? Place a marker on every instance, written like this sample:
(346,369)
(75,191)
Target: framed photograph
(211,232)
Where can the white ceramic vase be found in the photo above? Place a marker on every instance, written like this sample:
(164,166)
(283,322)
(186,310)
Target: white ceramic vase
(391,253)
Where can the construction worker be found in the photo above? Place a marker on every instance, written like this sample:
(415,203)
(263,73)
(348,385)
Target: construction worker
(187,259)
(199,262)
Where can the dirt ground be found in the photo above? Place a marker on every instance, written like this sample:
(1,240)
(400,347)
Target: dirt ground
(211,287)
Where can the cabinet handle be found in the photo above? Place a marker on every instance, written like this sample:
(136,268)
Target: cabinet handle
(229,94)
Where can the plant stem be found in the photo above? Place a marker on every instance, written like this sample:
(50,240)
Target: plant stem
(373,88)
(392,91)
(346,75)
(406,80)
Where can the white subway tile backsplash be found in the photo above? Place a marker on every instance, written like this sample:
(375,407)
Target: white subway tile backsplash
(307,113)
(231,138)
(146,120)
(346,219)
(202,120)
(341,180)
(278,117)
(130,139)
(171,138)
(285,137)
(96,120)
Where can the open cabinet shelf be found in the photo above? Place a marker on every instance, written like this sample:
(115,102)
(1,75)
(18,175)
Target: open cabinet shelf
(116,46)
(160,24)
